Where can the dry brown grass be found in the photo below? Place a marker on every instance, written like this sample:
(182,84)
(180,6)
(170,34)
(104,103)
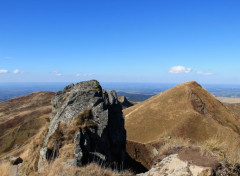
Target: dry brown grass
(21,118)
(234,108)
(173,143)
(84,120)
(82,117)
(11,108)
(4,168)
(31,154)
(222,150)
(59,168)
(213,146)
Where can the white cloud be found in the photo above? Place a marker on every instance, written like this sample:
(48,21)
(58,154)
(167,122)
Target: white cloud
(4,71)
(57,73)
(179,69)
(203,73)
(17,71)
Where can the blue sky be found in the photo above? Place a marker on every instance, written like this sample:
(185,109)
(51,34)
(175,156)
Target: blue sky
(166,41)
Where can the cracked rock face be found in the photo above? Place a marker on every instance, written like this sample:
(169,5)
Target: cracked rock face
(173,166)
(96,121)
(198,104)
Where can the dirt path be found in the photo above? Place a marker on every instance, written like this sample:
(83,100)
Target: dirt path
(133,111)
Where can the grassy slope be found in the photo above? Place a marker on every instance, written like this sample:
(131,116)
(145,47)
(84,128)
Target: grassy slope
(21,118)
(234,108)
(173,112)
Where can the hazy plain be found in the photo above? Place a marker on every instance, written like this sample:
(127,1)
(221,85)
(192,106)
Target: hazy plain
(134,91)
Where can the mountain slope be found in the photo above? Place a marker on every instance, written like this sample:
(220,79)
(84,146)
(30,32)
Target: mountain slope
(21,118)
(186,111)
(233,107)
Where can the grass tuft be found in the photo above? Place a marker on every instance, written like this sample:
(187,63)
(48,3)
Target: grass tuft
(60,168)
(82,117)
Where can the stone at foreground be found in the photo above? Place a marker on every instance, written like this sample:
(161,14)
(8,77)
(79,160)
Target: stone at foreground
(174,166)
(90,118)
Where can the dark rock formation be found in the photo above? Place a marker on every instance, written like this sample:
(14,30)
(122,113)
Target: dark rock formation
(124,102)
(198,104)
(15,160)
(98,133)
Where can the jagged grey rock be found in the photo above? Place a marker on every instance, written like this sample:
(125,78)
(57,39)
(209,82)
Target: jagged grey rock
(105,140)
(124,101)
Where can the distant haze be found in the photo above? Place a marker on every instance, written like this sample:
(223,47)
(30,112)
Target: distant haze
(134,91)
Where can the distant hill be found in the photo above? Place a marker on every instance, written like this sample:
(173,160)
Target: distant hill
(136,97)
(186,110)
(125,102)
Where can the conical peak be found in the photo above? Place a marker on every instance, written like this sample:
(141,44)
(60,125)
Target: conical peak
(192,84)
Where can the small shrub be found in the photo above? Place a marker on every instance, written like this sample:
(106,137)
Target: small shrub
(84,120)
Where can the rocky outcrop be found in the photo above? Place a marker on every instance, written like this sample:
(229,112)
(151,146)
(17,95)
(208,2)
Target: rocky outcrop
(90,118)
(174,166)
(124,101)
(198,104)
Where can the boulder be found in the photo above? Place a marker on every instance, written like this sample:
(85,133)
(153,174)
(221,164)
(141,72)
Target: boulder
(174,166)
(92,119)
(124,101)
